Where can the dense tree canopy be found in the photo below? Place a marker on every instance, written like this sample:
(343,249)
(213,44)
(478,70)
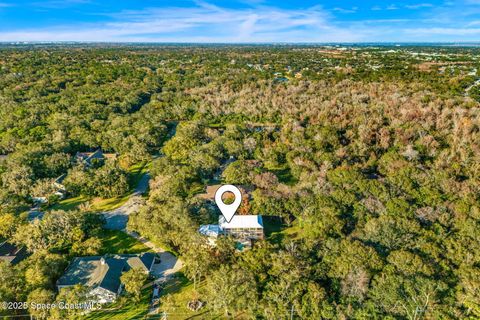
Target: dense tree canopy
(370,157)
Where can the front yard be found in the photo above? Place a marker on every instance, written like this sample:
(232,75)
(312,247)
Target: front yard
(115,241)
(123,309)
(135,173)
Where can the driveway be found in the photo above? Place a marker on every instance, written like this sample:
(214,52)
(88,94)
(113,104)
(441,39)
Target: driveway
(169,263)
(117,219)
(34,214)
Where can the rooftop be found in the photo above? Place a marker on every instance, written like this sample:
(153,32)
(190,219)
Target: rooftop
(104,272)
(241,221)
(210,230)
(11,253)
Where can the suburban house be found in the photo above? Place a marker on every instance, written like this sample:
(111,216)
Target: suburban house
(101,274)
(59,190)
(243,228)
(59,186)
(11,253)
(91,158)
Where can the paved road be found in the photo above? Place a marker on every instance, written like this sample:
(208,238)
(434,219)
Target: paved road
(35,213)
(117,219)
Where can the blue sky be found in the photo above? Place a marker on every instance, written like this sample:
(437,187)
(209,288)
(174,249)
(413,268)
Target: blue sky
(240,21)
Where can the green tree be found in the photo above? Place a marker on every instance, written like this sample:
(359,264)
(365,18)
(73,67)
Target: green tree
(38,297)
(231,290)
(133,281)
(8,225)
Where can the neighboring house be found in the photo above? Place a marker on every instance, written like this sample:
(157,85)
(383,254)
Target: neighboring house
(39,200)
(211,190)
(242,227)
(61,191)
(212,231)
(11,253)
(101,274)
(91,158)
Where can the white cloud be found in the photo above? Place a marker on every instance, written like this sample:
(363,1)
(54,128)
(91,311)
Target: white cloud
(253,23)
(419,6)
(203,23)
(342,10)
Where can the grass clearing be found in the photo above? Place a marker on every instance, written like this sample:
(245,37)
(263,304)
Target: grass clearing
(276,230)
(70,203)
(135,173)
(285,176)
(181,291)
(115,241)
(102,205)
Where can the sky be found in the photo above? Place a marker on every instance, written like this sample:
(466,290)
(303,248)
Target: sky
(240,21)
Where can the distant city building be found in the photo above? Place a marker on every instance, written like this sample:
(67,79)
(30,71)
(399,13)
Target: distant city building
(101,274)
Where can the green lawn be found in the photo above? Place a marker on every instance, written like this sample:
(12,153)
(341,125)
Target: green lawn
(275,231)
(181,291)
(283,174)
(70,203)
(115,241)
(102,205)
(125,308)
(135,173)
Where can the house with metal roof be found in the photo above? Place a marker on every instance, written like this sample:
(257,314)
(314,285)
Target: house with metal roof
(101,274)
(242,227)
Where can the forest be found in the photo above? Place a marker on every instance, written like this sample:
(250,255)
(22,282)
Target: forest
(365,161)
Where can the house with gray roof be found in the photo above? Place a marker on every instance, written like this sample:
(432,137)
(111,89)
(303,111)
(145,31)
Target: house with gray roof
(89,159)
(101,274)
(11,253)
